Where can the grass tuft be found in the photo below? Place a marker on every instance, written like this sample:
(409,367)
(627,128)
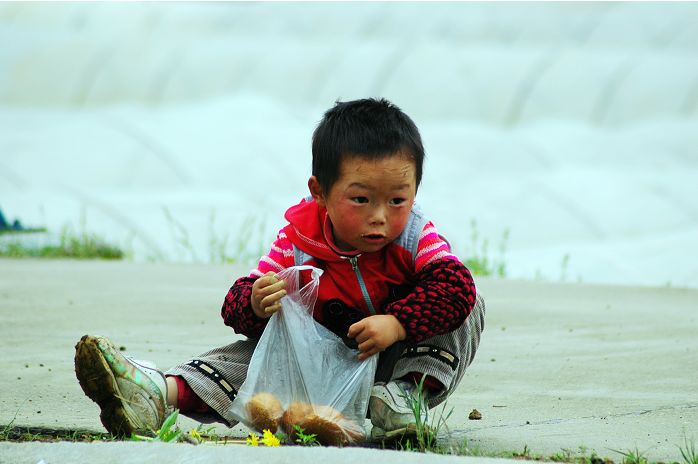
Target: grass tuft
(426,430)
(12,433)
(305,439)
(70,245)
(249,244)
(168,433)
(478,258)
(180,234)
(688,451)
(632,456)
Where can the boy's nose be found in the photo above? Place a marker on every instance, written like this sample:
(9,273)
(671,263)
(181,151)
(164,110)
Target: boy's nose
(378,215)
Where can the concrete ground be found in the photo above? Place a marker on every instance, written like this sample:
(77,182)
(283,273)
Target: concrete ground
(561,366)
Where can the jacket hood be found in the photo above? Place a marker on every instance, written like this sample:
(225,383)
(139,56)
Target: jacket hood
(310,229)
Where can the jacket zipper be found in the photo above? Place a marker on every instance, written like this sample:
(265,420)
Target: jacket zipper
(355,266)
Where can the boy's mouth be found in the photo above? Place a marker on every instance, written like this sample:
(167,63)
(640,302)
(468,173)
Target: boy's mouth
(373,237)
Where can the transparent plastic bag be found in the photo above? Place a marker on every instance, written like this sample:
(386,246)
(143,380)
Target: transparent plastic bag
(301,374)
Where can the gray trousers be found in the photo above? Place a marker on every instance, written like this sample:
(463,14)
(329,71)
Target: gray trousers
(215,376)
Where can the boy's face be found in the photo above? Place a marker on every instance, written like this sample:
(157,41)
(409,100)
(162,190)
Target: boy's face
(370,202)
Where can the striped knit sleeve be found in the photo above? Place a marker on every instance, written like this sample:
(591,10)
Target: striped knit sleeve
(431,247)
(444,294)
(237,307)
(279,257)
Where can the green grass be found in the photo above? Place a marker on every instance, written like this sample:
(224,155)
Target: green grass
(180,234)
(427,427)
(632,456)
(478,257)
(24,434)
(305,439)
(565,455)
(32,230)
(168,432)
(84,245)
(688,451)
(245,245)
(427,431)
(249,243)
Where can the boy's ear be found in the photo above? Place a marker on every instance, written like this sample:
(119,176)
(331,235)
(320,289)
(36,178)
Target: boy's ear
(316,191)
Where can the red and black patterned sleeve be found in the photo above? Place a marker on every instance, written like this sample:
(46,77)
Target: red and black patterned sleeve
(237,309)
(443,297)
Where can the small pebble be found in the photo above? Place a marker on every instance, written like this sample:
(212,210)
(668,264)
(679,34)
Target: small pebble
(122,348)
(41,365)
(475,415)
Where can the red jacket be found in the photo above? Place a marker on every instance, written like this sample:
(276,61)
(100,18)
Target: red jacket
(428,301)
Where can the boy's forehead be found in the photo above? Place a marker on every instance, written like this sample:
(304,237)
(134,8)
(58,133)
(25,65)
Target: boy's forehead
(357,161)
(398,171)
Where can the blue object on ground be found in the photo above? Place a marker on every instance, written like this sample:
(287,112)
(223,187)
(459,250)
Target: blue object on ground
(4,225)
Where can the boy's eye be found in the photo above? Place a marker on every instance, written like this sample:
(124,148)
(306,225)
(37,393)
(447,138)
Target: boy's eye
(359,199)
(397,201)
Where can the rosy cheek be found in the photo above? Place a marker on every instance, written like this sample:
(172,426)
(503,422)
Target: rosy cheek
(398,222)
(349,218)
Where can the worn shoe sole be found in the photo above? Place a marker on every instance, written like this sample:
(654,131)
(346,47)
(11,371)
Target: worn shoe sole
(99,384)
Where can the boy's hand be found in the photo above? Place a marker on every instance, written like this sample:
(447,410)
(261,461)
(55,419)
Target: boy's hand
(374,334)
(267,292)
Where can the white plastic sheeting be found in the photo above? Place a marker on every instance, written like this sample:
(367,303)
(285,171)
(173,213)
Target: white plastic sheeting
(573,125)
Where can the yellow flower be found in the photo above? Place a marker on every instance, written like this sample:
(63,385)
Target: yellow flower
(270,439)
(253,440)
(195,435)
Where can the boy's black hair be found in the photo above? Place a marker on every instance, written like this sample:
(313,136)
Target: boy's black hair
(368,128)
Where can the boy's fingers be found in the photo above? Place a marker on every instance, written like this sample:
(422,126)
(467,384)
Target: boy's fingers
(354,329)
(273,308)
(273,278)
(362,337)
(265,292)
(272,299)
(368,354)
(272,286)
(268,279)
(366,346)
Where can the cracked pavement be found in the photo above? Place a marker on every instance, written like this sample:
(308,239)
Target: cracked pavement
(560,366)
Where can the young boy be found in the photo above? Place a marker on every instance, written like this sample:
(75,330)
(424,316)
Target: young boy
(390,287)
